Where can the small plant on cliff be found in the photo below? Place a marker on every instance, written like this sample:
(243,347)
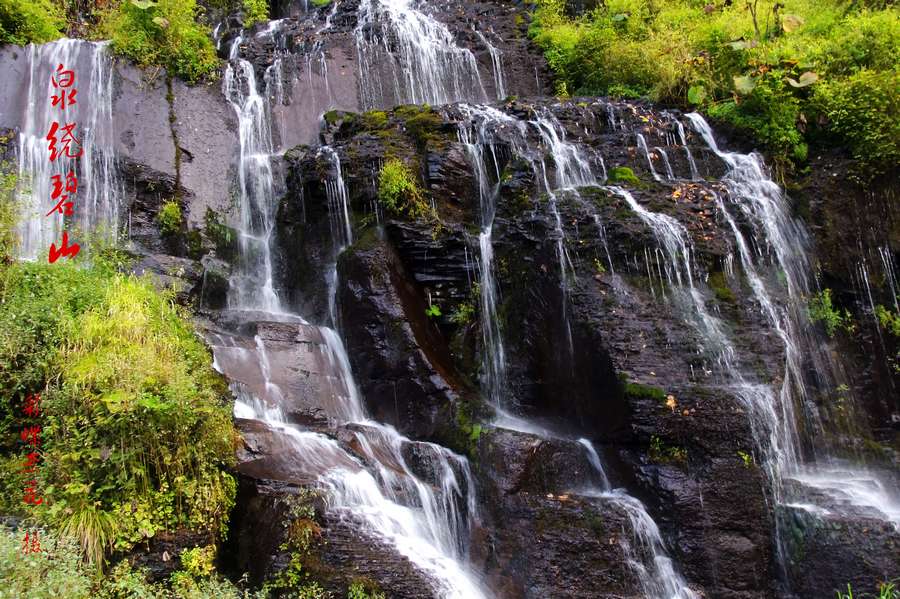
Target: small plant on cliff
(364,589)
(821,309)
(162,33)
(169,218)
(622,174)
(399,192)
(255,11)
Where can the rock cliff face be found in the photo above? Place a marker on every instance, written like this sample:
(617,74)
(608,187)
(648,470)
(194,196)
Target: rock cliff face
(641,434)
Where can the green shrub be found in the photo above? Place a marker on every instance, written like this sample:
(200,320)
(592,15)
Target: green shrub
(255,11)
(863,112)
(163,33)
(8,213)
(169,217)
(364,589)
(136,429)
(399,192)
(59,573)
(198,562)
(689,53)
(30,21)
(821,309)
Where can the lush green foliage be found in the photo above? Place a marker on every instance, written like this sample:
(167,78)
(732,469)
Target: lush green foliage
(26,21)
(58,572)
(136,430)
(399,191)
(8,239)
(787,72)
(162,32)
(821,309)
(622,174)
(255,11)
(362,589)
(169,218)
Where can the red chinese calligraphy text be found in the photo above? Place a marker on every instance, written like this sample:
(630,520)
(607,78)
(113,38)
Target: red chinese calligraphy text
(65,141)
(62,80)
(63,206)
(32,542)
(69,251)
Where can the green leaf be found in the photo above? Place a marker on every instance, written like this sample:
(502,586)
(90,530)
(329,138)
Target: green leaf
(791,23)
(144,4)
(696,94)
(162,22)
(807,78)
(744,84)
(620,17)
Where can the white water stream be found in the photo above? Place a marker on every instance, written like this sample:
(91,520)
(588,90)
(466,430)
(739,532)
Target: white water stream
(100,192)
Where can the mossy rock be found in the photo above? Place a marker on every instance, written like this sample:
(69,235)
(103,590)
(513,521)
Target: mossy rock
(622,175)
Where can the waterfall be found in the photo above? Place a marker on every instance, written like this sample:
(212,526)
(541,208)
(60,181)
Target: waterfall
(762,203)
(376,489)
(252,284)
(100,190)
(485,120)
(483,130)
(496,64)
(414,55)
(645,550)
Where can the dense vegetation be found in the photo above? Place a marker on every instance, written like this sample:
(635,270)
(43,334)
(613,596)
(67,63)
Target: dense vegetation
(136,430)
(789,73)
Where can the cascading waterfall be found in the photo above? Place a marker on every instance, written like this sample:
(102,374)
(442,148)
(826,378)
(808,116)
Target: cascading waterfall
(485,119)
(379,490)
(496,64)
(762,203)
(252,285)
(413,55)
(100,190)
(645,550)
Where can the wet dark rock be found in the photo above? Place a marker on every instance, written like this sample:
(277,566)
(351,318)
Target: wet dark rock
(402,368)
(825,554)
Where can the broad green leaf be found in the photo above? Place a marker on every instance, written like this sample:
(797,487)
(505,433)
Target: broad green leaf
(144,4)
(162,22)
(744,84)
(791,23)
(807,78)
(696,94)
(620,17)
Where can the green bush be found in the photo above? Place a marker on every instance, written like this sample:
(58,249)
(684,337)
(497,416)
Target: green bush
(30,21)
(821,309)
(163,33)
(399,192)
(689,54)
(169,217)
(58,572)
(255,11)
(136,429)
(8,238)
(863,112)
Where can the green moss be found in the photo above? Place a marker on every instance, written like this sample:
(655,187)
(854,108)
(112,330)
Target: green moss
(222,236)
(719,285)
(622,174)
(638,391)
(332,117)
(321,3)
(423,126)
(821,310)
(374,119)
(169,218)
(663,453)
